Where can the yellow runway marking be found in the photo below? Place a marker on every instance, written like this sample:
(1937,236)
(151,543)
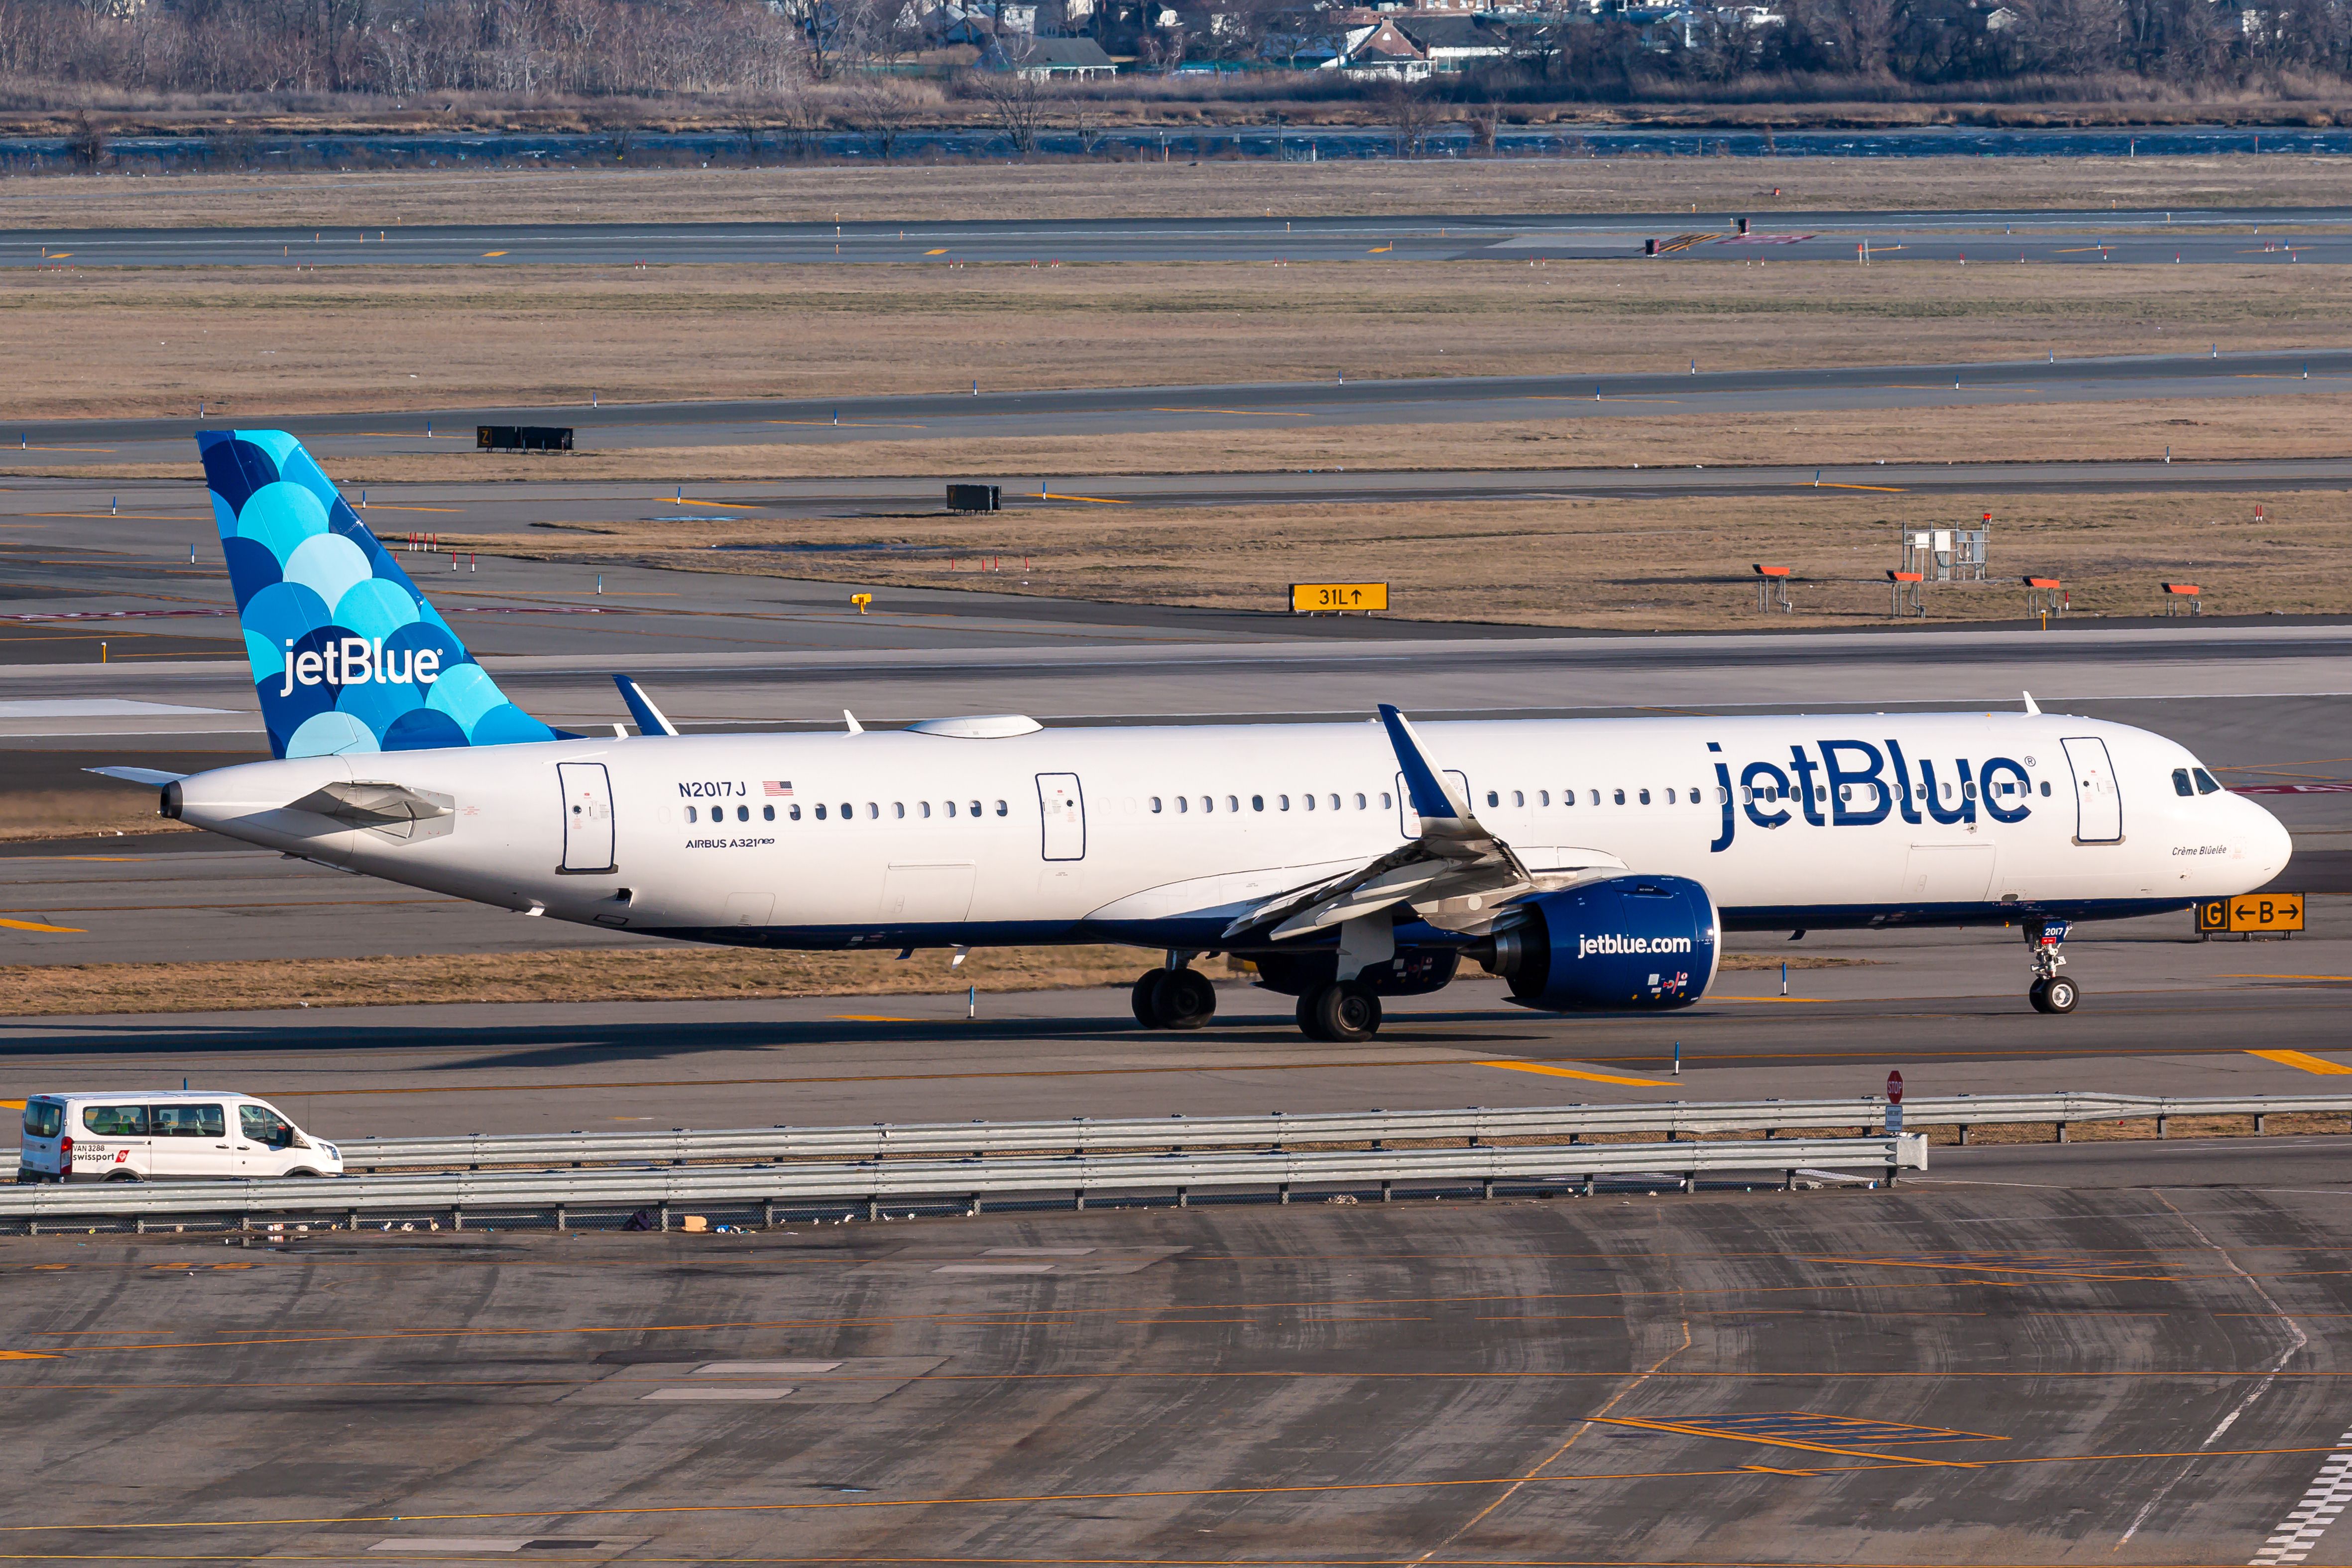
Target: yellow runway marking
(1828,485)
(12,1104)
(2282,977)
(25,1355)
(851,424)
(1098,501)
(491,253)
(1769,998)
(106,449)
(2307,1062)
(1269,413)
(1376,250)
(1549,1072)
(452,510)
(1676,1427)
(873,1019)
(135,516)
(728,505)
(36,925)
(939,252)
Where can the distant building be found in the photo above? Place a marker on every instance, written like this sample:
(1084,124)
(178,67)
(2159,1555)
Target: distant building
(1057,59)
(1380,49)
(1449,42)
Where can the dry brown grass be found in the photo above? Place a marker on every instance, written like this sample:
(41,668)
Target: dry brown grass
(1646,564)
(917,193)
(604,975)
(260,343)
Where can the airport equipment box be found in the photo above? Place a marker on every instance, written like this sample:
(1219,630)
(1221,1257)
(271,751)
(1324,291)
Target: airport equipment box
(974,498)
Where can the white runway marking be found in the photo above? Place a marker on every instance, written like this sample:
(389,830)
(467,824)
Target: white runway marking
(2300,1530)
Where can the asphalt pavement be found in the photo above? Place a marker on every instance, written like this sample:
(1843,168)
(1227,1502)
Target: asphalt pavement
(2229,236)
(49,446)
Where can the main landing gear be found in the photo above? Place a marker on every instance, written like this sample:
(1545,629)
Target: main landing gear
(1176,997)
(1338,1012)
(2052,991)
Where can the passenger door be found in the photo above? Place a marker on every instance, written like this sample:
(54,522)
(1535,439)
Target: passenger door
(587,817)
(189,1142)
(1065,809)
(1408,819)
(2098,803)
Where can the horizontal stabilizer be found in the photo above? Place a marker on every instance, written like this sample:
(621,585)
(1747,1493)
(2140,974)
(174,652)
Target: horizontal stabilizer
(650,719)
(155,776)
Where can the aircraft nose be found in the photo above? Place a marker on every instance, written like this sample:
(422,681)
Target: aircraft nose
(2271,845)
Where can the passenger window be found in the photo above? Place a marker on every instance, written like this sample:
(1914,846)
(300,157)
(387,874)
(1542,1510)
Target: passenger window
(1307,798)
(689,814)
(2045,786)
(44,1119)
(1282,801)
(1257,802)
(1335,803)
(927,809)
(1519,797)
(2181,784)
(1670,797)
(820,811)
(1543,797)
(1494,799)
(1596,797)
(1183,803)
(115,1120)
(975,808)
(263,1125)
(1645,797)
(1155,805)
(1000,808)
(1233,803)
(2207,784)
(1970,789)
(743,814)
(873,812)
(189,1121)
(767,814)
(1621,797)
(1385,802)
(1568,797)
(796,814)
(1208,803)
(848,811)
(898,808)
(948,806)
(1359,801)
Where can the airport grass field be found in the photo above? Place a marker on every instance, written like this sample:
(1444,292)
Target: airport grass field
(263,342)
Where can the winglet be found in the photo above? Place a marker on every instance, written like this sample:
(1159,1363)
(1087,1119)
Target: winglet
(2030,705)
(1424,785)
(851,719)
(650,719)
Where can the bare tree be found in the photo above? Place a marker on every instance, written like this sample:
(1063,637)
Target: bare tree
(89,143)
(1016,99)
(1411,115)
(877,108)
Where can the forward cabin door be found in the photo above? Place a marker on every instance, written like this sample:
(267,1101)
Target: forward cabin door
(1064,806)
(2098,803)
(587,817)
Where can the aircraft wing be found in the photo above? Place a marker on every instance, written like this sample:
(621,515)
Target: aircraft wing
(1455,858)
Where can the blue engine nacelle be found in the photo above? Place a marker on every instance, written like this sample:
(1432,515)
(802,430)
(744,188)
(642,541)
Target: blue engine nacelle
(1631,942)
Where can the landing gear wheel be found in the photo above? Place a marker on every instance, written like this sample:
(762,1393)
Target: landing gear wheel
(1309,1021)
(1183,999)
(1142,998)
(1344,1011)
(2039,994)
(2059,994)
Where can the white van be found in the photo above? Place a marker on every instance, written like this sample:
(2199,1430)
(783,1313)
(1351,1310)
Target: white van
(164,1135)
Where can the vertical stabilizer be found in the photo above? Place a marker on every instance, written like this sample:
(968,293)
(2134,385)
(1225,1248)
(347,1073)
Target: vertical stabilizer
(347,655)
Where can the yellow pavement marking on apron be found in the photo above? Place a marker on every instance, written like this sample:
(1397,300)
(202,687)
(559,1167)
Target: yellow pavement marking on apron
(2301,1059)
(36,925)
(1549,1072)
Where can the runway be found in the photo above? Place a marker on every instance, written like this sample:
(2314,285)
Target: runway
(2235,236)
(51,446)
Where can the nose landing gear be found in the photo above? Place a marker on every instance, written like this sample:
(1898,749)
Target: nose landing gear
(2052,991)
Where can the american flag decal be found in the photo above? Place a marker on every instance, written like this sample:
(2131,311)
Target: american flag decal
(775,787)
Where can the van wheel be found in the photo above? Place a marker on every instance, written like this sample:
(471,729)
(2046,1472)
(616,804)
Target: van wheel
(301,1176)
(124,1176)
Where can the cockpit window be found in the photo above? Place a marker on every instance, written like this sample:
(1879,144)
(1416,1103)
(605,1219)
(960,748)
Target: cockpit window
(2206,784)
(2181,784)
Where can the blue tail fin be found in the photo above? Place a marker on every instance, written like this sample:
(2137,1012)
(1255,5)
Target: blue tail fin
(346,656)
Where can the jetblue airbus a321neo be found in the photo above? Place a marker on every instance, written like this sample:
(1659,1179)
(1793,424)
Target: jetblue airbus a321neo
(1591,863)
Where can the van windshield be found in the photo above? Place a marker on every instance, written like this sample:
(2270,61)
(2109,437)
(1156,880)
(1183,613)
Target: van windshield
(44,1119)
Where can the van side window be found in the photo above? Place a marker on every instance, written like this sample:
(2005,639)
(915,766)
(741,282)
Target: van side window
(44,1119)
(189,1121)
(263,1125)
(115,1120)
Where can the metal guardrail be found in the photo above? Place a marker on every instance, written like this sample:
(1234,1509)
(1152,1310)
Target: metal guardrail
(1479,1124)
(871,1184)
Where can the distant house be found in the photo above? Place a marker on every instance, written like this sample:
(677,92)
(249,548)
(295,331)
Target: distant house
(1449,42)
(2001,19)
(1379,49)
(1057,59)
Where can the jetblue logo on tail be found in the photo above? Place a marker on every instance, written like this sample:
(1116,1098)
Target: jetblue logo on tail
(356,661)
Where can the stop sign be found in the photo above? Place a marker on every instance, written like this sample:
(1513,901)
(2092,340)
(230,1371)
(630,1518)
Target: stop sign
(1894,1088)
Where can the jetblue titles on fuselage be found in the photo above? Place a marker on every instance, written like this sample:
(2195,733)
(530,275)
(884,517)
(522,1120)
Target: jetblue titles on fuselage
(1858,783)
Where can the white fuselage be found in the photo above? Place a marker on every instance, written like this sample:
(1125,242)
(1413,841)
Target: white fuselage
(1158,835)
